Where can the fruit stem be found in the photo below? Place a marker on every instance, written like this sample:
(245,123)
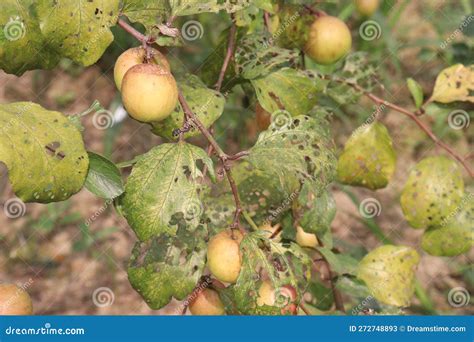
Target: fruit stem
(135,33)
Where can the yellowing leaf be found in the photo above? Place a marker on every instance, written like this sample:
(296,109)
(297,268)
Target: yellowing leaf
(455,83)
(389,273)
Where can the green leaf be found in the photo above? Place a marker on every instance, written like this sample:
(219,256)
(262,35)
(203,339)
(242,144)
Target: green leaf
(43,151)
(162,190)
(433,191)
(146,12)
(104,178)
(416,91)
(293,30)
(206,103)
(287,89)
(186,7)
(22,46)
(78,30)
(389,273)
(322,297)
(340,263)
(455,83)
(368,158)
(455,235)
(278,264)
(167,267)
(255,56)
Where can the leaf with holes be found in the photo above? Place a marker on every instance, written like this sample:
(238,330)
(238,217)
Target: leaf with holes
(162,190)
(389,273)
(368,158)
(206,104)
(255,56)
(455,235)
(287,89)
(79,30)
(22,45)
(279,268)
(433,191)
(186,7)
(167,267)
(104,178)
(43,151)
(455,83)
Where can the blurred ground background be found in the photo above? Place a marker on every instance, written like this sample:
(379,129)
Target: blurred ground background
(63,262)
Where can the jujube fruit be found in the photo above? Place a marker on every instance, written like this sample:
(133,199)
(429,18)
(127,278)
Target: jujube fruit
(224,257)
(366,7)
(149,92)
(207,302)
(284,297)
(14,300)
(306,239)
(329,40)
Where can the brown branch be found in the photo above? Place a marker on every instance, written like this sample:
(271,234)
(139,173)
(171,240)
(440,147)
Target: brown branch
(135,33)
(266,20)
(424,127)
(229,54)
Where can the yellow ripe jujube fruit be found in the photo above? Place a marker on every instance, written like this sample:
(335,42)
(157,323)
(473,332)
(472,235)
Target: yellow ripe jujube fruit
(207,303)
(149,92)
(367,7)
(135,56)
(305,239)
(14,300)
(223,255)
(267,295)
(329,40)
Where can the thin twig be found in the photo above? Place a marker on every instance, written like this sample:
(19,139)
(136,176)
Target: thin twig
(229,54)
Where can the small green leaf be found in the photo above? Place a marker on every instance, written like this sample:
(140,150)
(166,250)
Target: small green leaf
(167,267)
(206,103)
(433,191)
(162,190)
(43,151)
(389,273)
(287,89)
(78,30)
(340,263)
(368,158)
(416,91)
(455,235)
(104,178)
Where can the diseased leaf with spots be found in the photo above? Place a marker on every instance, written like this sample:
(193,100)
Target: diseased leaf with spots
(79,30)
(146,12)
(287,89)
(206,104)
(433,191)
(189,7)
(455,234)
(43,151)
(255,56)
(162,190)
(389,273)
(22,45)
(368,158)
(275,263)
(167,267)
(455,83)
(104,178)
(293,30)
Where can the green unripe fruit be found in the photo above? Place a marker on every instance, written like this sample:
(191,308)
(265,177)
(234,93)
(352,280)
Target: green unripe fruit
(14,300)
(223,255)
(329,40)
(135,56)
(366,7)
(207,303)
(433,191)
(149,92)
